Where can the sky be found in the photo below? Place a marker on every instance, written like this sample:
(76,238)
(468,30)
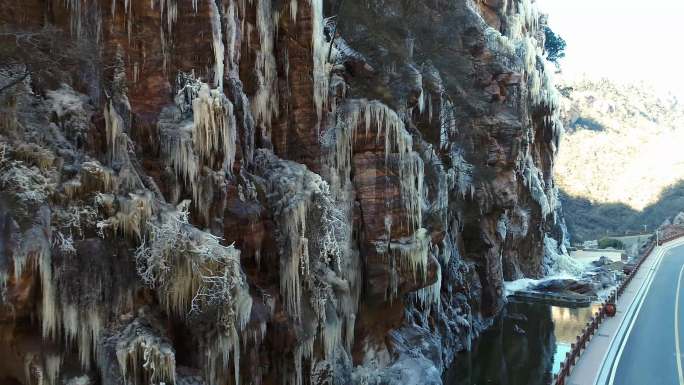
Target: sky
(623,40)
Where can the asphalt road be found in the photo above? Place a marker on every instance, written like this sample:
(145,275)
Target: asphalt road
(651,352)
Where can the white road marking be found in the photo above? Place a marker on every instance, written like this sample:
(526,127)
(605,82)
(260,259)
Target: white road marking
(676,320)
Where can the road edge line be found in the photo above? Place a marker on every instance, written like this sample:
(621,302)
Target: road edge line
(676,320)
(640,299)
(639,302)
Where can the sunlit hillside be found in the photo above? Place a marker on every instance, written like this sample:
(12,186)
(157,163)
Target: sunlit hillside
(623,143)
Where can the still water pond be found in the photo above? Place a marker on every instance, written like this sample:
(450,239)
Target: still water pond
(524,346)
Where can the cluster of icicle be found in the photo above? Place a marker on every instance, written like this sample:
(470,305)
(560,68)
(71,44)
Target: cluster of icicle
(193,272)
(42,370)
(60,320)
(534,180)
(198,136)
(360,119)
(138,343)
(190,269)
(311,235)
(265,101)
(384,125)
(428,80)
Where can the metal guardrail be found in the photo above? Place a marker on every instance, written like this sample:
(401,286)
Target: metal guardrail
(592,326)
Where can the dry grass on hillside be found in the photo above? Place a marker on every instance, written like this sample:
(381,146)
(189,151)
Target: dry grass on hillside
(623,143)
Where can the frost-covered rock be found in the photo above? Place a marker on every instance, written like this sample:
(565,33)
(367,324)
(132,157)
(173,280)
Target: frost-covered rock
(246,192)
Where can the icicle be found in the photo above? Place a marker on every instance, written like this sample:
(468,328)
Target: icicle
(321,67)
(96,177)
(432,295)
(45,370)
(132,216)
(413,252)
(134,213)
(84,326)
(447,121)
(502,226)
(75,16)
(195,149)
(114,127)
(48,302)
(142,353)
(387,123)
(535,184)
(410,46)
(498,42)
(214,131)
(460,174)
(231,39)
(293,9)
(558,261)
(303,351)
(217,43)
(177,148)
(53,364)
(530,14)
(218,357)
(416,83)
(294,227)
(265,102)
(294,192)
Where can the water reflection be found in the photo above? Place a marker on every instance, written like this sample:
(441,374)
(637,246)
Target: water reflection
(525,346)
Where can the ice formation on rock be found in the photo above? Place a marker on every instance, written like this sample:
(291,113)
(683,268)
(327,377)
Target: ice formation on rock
(198,138)
(214,131)
(199,217)
(217,45)
(143,356)
(265,102)
(299,193)
(377,122)
(557,259)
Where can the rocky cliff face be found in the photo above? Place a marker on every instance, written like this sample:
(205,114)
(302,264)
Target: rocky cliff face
(223,191)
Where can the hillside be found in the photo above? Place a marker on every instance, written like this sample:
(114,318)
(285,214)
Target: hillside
(619,155)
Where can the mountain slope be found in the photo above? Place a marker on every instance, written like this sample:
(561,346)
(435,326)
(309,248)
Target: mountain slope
(621,150)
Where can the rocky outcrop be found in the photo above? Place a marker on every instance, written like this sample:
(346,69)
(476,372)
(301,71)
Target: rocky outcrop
(218,191)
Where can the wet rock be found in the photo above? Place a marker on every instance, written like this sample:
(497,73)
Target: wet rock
(518,329)
(602,261)
(561,285)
